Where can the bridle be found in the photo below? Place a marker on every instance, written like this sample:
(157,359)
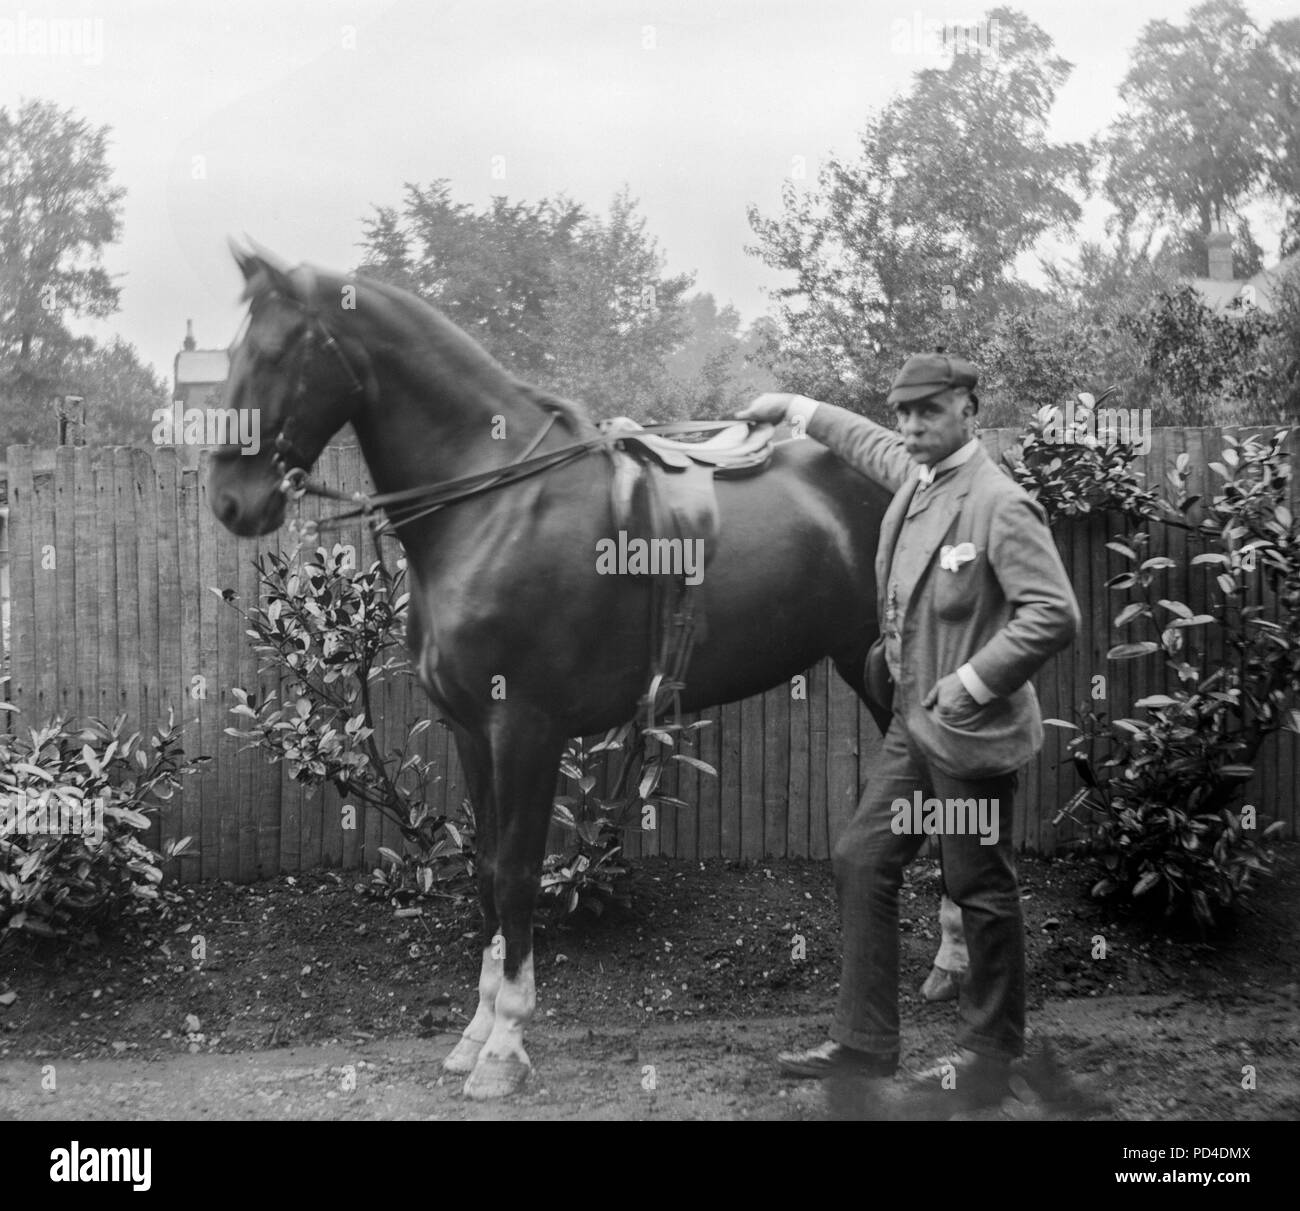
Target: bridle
(290,461)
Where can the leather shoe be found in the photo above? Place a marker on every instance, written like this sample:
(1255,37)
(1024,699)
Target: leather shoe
(834,1059)
(971,1080)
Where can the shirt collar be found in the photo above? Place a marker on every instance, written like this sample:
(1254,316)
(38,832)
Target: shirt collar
(959,456)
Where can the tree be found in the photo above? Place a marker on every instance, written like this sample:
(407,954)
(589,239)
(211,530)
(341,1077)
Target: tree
(615,319)
(58,208)
(575,303)
(1190,143)
(913,242)
(121,393)
(1281,75)
(716,367)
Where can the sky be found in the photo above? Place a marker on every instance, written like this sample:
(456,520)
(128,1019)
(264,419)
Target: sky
(290,121)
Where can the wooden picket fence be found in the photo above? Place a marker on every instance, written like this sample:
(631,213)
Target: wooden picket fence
(114,554)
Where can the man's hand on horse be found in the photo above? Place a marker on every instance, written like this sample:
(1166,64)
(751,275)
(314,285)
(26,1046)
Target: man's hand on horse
(769,408)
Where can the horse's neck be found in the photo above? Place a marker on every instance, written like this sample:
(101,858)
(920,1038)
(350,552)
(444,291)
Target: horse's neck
(410,442)
(443,410)
(432,422)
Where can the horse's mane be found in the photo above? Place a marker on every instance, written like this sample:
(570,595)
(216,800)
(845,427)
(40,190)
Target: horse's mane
(574,415)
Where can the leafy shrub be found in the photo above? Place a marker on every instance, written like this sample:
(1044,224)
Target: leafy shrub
(331,630)
(74,802)
(1069,472)
(440,864)
(1207,362)
(591,873)
(1160,803)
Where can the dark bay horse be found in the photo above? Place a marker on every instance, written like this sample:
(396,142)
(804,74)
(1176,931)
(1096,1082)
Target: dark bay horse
(506,584)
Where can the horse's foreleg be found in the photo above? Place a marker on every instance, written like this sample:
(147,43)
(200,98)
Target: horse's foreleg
(475,759)
(462,1058)
(525,758)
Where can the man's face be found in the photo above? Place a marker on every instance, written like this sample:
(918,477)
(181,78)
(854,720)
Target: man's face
(933,428)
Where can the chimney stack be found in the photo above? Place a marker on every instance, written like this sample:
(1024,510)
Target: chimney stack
(1218,246)
(189,328)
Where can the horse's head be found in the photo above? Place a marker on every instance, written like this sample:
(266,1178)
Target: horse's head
(301,382)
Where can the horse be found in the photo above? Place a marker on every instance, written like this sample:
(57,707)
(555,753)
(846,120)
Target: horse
(504,583)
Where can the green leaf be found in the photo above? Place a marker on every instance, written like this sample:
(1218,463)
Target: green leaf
(1135,609)
(1156,700)
(1196,620)
(40,928)
(1131,651)
(1176,607)
(1146,883)
(703,766)
(1074,727)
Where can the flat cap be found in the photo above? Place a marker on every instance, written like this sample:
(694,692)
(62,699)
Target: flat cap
(927,374)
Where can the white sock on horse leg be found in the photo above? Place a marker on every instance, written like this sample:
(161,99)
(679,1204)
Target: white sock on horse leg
(516,1000)
(952,955)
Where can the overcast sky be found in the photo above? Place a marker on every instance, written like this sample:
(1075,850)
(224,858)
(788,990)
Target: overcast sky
(289,120)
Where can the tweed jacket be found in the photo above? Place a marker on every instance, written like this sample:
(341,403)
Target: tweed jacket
(1006,611)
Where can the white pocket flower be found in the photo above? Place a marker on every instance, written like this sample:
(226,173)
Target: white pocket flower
(951,558)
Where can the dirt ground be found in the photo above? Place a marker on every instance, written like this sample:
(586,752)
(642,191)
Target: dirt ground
(311,1002)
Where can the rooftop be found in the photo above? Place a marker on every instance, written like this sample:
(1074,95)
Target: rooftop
(1219,294)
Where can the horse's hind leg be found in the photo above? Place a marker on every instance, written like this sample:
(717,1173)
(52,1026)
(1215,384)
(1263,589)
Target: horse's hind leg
(953,960)
(525,756)
(475,759)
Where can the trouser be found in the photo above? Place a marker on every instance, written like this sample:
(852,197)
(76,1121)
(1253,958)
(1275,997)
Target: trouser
(981,879)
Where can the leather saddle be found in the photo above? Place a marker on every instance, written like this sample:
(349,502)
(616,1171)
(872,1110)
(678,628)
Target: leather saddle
(734,450)
(663,489)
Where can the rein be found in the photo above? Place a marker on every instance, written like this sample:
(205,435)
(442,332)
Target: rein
(410,504)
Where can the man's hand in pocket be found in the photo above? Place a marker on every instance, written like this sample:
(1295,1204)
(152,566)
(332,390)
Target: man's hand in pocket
(952,697)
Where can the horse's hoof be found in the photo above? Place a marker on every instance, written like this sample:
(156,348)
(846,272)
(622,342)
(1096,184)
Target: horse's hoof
(497,1076)
(941,985)
(461,1059)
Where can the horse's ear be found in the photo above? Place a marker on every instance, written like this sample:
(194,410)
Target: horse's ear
(262,270)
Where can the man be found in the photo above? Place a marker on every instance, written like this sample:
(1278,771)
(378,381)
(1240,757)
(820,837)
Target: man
(973,600)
